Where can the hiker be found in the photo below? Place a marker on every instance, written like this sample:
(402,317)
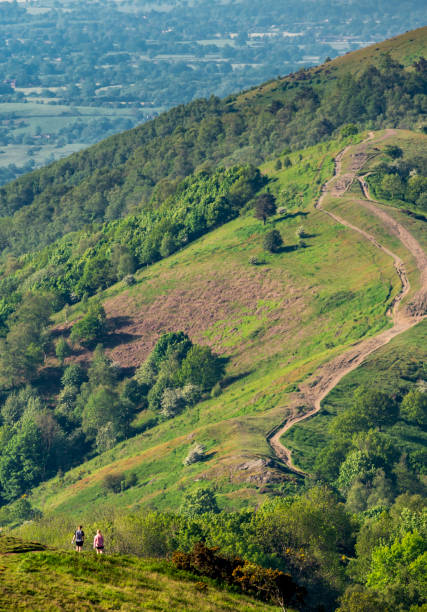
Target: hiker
(78,538)
(98,542)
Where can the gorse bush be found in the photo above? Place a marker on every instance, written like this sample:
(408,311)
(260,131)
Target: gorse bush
(266,584)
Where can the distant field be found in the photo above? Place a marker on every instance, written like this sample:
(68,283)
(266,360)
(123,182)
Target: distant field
(41,131)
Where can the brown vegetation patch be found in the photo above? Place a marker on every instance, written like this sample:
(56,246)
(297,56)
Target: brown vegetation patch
(196,305)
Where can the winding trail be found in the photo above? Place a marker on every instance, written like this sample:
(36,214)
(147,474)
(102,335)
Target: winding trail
(315,389)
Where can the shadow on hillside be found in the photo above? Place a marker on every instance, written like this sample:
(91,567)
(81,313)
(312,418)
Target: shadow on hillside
(293,215)
(115,323)
(116,338)
(229,380)
(287,248)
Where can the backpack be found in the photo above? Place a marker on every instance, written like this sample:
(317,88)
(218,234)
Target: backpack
(79,535)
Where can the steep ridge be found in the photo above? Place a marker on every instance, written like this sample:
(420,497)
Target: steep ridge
(314,390)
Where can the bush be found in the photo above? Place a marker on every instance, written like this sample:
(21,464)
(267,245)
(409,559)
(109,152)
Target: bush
(216,390)
(272,241)
(348,130)
(113,482)
(62,350)
(129,280)
(89,330)
(265,584)
(197,453)
(300,233)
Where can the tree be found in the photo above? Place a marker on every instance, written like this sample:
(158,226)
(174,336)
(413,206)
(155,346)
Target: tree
(103,407)
(21,461)
(356,466)
(265,206)
(393,151)
(201,367)
(272,241)
(348,130)
(199,502)
(73,376)
(24,348)
(392,186)
(176,343)
(102,371)
(414,407)
(377,408)
(356,599)
(89,330)
(399,571)
(62,350)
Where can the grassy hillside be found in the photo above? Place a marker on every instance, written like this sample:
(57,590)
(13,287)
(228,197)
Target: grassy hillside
(397,367)
(119,175)
(50,580)
(275,322)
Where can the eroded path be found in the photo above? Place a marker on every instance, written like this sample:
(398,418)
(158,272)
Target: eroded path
(307,401)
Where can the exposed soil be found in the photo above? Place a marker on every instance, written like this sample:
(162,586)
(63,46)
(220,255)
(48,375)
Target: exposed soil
(307,402)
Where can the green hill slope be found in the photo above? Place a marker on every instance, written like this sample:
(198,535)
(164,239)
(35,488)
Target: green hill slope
(52,580)
(119,175)
(276,322)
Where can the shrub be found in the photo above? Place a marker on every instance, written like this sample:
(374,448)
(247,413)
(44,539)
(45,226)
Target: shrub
(89,330)
(253,260)
(197,453)
(216,390)
(348,130)
(129,280)
(265,584)
(113,482)
(62,350)
(272,241)
(131,480)
(300,232)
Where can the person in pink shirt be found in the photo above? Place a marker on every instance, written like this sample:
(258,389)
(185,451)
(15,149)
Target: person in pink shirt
(98,542)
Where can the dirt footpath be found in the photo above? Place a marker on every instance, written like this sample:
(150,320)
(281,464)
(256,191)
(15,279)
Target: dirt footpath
(317,387)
